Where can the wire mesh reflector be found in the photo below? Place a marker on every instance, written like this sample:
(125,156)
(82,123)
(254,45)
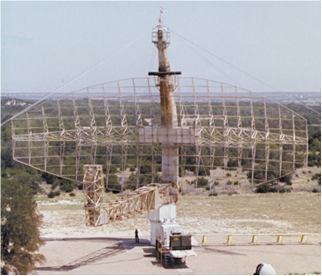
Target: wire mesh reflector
(117,125)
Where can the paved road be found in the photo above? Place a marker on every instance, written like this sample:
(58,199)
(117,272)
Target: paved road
(112,256)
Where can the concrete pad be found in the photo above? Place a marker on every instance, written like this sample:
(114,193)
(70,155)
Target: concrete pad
(112,256)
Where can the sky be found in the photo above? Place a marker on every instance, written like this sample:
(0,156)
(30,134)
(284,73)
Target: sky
(63,46)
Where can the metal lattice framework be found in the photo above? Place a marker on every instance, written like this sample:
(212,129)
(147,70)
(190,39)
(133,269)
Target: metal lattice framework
(128,204)
(117,125)
(93,185)
(141,200)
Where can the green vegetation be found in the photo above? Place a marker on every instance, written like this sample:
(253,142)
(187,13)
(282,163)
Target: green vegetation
(287,179)
(20,237)
(52,194)
(266,188)
(20,221)
(202,182)
(113,183)
(317,177)
(64,185)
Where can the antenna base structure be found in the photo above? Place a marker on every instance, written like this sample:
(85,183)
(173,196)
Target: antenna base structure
(93,186)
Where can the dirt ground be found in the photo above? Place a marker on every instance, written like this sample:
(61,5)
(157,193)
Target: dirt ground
(73,248)
(244,214)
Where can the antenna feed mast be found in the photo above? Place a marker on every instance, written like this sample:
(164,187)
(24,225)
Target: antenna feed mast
(160,34)
(161,37)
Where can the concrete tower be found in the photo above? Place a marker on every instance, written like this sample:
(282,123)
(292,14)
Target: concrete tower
(168,111)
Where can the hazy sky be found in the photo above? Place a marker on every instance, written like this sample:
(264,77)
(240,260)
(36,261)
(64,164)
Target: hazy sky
(47,44)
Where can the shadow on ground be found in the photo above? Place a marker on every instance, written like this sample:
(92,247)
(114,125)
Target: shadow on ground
(121,246)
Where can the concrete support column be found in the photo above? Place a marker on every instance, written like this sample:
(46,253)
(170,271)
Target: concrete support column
(170,163)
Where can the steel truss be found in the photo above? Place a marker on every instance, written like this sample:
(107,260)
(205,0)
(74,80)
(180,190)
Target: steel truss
(128,204)
(93,186)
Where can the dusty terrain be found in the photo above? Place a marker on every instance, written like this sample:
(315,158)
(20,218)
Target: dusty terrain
(222,181)
(72,248)
(247,213)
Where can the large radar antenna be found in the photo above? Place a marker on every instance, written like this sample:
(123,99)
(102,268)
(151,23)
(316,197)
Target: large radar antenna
(163,128)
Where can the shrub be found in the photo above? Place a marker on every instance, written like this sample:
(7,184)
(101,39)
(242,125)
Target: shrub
(266,188)
(287,179)
(314,159)
(132,181)
(216,183)
(212,194)
(113,169)
(49,178)
(236,183)
(229,182)
(202,182)
(72,194)
(157,178)
(228,174)
(204,171)
(113,183)
(67,186)
(34,186)
(316,176)
(315,190)
(259,172)
(52,194)
(232,163)
(146,168)
(282,190)
(54,185)
(145,179)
